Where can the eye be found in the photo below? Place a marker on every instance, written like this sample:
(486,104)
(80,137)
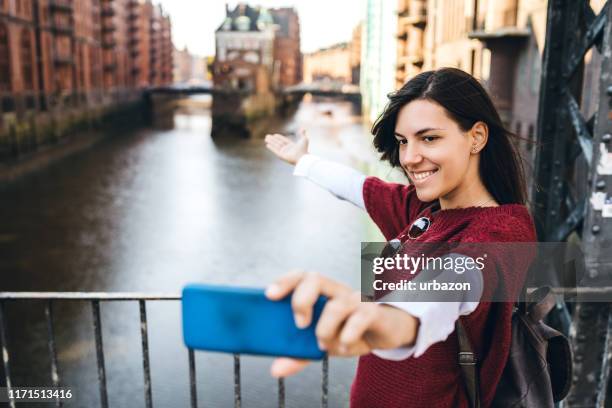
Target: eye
(429,139)
(401,141)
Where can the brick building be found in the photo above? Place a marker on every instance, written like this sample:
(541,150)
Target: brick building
(166,53)
(189,68)
(412,16)
(331,63)
(116,56)
(65,53)
(257,49)
(19,71)
(244,55)
(151,45)
(287,54)
(339,63)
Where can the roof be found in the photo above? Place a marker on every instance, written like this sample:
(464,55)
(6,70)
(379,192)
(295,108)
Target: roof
(283,22)
(253,18)
(282,17)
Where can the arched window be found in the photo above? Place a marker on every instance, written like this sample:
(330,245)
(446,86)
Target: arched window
(26,59)
(5,67)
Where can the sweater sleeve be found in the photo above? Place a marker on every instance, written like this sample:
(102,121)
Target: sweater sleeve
(392,206)
(436,314)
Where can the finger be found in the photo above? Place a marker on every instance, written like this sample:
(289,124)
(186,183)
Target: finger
(278,138)
(335,313)
(276,145)
(271,140)
(356,349)
(284,285)
(273,137)
(304,297)
(283,367)
(307,292)
(356,326)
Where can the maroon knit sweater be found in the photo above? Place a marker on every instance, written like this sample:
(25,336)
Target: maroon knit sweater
(434,379)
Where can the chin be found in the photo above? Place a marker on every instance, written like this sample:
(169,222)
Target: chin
(425,195)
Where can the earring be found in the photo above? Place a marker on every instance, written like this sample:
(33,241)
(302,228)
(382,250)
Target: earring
(475,149)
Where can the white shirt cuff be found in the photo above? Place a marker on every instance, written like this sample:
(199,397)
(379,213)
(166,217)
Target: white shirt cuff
(437,322)
(437,319)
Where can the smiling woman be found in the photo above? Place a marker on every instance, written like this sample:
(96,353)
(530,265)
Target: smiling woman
(467,185)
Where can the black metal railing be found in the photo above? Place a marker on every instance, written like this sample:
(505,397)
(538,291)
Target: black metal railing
(95,299)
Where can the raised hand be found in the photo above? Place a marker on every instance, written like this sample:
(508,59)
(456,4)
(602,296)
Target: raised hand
(286,149)
(347,326)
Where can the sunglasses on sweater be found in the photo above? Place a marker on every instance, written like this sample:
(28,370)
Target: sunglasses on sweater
(418,228)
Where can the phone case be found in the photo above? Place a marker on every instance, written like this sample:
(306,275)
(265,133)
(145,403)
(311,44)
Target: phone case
(242,320)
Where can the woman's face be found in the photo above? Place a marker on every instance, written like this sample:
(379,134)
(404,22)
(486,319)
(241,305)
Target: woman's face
(435,153)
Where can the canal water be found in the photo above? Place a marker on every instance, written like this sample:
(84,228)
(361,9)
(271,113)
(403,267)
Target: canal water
(154,210)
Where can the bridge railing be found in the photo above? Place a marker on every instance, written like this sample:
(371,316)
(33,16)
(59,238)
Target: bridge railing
(96,299)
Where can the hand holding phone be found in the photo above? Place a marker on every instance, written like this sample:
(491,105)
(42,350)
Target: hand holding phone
(242,320)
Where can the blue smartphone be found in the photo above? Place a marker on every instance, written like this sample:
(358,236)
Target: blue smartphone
(242,320)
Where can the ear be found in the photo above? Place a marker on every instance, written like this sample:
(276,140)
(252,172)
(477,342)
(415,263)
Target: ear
(480,136)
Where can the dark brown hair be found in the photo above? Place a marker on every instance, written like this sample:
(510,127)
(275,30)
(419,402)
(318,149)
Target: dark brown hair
(466,102)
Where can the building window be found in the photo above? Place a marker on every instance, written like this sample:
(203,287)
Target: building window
(5,67)
(26,59)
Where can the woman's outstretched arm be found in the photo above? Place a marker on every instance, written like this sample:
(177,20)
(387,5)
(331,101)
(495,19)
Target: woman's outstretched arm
(342,181)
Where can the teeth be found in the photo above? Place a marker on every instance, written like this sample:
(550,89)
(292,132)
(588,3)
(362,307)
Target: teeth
(422,175)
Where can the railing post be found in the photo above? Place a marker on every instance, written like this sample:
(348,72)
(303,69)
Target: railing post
(237,391)
(95,306)
(281,393)
(145,354)
(192,380)
(5,353)
(324,381)
(52,350)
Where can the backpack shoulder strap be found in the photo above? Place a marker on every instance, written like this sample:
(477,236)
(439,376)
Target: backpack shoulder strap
(541,303)
(467,362)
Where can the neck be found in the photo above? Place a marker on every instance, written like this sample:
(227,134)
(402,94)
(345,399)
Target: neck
(471,195)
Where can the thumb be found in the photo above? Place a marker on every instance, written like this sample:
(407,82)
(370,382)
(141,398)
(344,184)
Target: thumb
(283,367)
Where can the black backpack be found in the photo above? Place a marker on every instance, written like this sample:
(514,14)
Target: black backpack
(538,371)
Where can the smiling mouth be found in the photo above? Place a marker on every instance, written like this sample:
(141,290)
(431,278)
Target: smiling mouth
(422,175)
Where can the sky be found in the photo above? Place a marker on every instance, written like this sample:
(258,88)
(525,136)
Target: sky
(323,22)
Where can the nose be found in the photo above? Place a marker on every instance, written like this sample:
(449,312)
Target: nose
(410,155)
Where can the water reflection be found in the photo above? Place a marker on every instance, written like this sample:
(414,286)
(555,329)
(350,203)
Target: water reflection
(152,211)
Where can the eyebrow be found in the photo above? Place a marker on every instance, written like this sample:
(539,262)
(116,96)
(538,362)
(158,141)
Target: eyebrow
(419,132)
